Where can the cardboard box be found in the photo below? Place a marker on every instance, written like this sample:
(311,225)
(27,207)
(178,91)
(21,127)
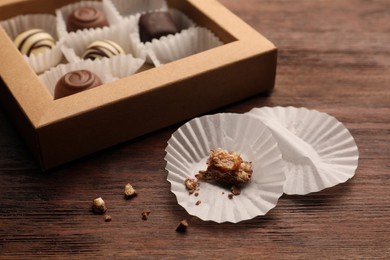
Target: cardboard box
(58,131)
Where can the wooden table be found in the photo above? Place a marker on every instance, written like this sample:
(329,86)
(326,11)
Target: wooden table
(334,56)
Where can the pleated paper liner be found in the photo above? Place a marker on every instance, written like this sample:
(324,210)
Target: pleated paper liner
(122,66)
(107,69)
(188,42)
(187,152)
(76,43)
(63,13)
(319,152)
(143,50)
(126,8)
(41,61)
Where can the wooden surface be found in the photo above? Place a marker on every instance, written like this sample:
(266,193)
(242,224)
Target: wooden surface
(334,56)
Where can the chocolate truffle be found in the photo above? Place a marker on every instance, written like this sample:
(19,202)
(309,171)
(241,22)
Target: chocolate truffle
(34,41)
(101,49)
(74,82)
(86,18)
(155,25)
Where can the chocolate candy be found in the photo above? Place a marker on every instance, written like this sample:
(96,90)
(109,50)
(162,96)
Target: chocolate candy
(101,49)
(34,41)
(74,82)
(86,18)
(155,25)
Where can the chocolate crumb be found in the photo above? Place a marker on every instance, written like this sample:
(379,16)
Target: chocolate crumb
(145,214)
(231,195)
(98,206)
(191,185)
(196,194)
(198,202)
(107,218)
(182,227)
(129,191)
(235,190)
(223,192)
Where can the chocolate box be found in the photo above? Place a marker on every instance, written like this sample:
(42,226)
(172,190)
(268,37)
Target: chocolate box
(58,131)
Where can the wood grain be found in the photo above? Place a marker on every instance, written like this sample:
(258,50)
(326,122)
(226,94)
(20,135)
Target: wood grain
(333,57)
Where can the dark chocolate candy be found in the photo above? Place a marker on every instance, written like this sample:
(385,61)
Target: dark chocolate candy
(74,82)
(155,25)
(86,18)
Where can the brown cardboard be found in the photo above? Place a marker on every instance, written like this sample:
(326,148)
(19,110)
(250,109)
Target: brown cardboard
(65,129)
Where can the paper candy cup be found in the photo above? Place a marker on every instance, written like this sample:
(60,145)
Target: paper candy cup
(63,13)
(127,8)
(51,77)
(41,61)
(187,152)
(188,42)
(145,50)
(319,152)
(122,66)
(76,43)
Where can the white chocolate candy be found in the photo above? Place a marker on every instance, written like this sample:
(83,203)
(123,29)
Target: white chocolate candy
(101,49)
(34,41)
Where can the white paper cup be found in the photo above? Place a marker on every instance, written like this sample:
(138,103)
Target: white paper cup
(126,8)
(51,77)
(64,12)
(187,43)
(319,152)
(41,61)
(76,43)
(187,152)
(147,50)
(122,66)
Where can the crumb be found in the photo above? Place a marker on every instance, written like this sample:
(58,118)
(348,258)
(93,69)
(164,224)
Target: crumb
(98,206)
(145,214)
(231,195)
(129,191)
(198,202)
(196,194)
(191,185)
(107,218)
(223,192)
(182,227)
(235,190)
